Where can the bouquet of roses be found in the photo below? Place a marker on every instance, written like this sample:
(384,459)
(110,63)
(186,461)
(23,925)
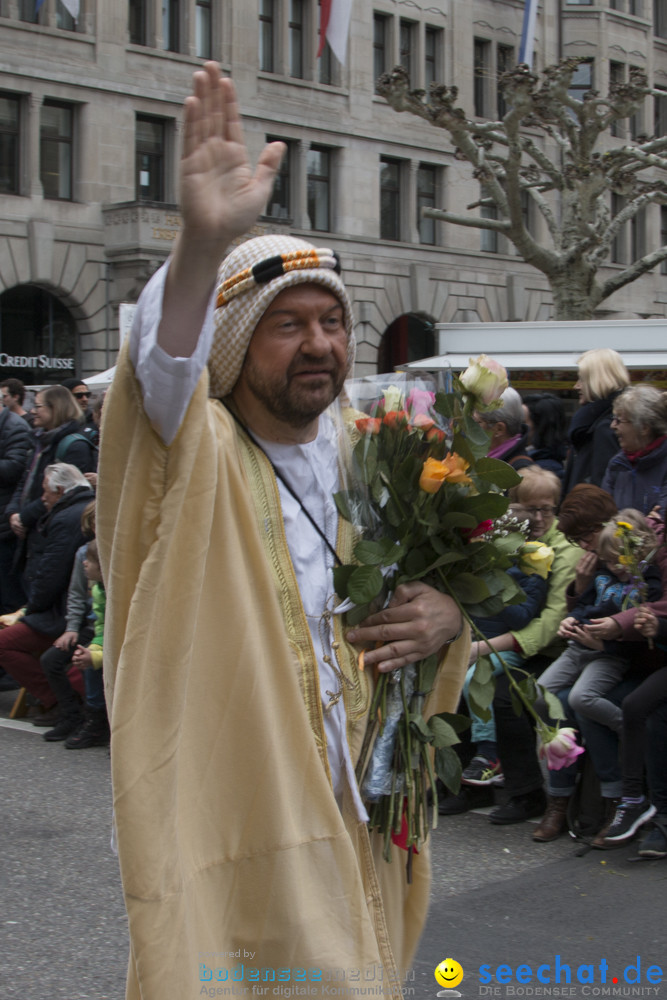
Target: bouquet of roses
(424,497)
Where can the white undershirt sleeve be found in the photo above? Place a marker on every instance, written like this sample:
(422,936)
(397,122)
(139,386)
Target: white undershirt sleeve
(167,383)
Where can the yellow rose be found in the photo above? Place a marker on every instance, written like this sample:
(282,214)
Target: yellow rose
(535,557)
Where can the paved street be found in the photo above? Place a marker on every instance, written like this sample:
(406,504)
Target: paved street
(498,898)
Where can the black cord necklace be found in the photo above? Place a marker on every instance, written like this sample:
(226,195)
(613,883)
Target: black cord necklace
(278,474)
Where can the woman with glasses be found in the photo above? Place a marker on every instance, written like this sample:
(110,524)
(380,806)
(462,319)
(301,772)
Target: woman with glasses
(637,474)
(602,377)
(534,646)
(59,437)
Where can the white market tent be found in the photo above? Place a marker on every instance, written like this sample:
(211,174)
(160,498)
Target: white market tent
(548,345)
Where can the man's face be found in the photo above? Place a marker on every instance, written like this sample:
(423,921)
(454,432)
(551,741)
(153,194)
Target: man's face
(82,395)
(296,362)
(7,399)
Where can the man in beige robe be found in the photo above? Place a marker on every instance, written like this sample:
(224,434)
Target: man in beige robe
(237,708)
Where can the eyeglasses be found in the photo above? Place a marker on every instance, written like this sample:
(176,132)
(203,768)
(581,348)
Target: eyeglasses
(40,406)
(619,420)
(539,511)
(82,395)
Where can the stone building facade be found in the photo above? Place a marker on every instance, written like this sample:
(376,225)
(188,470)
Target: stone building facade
(90,135)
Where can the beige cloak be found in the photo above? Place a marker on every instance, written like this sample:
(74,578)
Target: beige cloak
(235,859)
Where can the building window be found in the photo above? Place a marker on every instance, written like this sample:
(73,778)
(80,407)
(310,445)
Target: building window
(663,235)
(488,237)
(28,11)
(427,177)
(406,54)
(638,235)
(504,63)
(579,3)
(171,25)
(636,119)
(64,19)
(582,81)
(56,136)
(618,250)
(380,45)
(660,18)
(616,78)
(390,199)
(482,74)
(138,22)
(150,158)
(280,202)
(325,67)
(267,35)
(203,45)
(660,112)
(319,188)
(433,49)
(10,121)
(296,36)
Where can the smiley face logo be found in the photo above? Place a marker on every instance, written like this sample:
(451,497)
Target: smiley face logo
(448,973)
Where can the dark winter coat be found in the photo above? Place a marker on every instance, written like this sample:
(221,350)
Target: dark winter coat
(81,452)
(592,442)
(53,546)
(641,484)
(15,443)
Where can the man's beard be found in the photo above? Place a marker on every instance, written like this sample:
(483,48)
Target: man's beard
(293,404)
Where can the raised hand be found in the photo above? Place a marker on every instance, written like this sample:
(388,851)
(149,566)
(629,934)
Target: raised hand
(221,197)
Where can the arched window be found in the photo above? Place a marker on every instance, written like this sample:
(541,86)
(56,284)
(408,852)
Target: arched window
(37,336)
(409,338)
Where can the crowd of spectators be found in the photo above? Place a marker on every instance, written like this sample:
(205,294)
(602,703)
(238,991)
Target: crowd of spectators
(597,639)
(51,591)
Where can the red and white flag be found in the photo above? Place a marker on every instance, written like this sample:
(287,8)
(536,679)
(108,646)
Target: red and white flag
(335,26)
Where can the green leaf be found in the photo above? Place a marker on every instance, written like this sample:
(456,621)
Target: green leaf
(497,472)
(486,506)
(448,768)
(469,588)
(443,734)
(426,673)
(461,446)
(376,553)
(365,454)
(364,584)
(341,577)
(478,699)
(483,670)
(457,519)
(553,703)
(446,403)
(420,729)
(343,499)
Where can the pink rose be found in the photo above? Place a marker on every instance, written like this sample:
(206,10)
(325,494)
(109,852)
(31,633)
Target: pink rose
(562,750)
(420,401)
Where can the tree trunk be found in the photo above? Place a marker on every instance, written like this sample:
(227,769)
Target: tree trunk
(576,295)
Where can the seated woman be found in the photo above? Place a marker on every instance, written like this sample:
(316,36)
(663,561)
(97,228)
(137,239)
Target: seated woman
(637,475)
(588,671)
(535,498)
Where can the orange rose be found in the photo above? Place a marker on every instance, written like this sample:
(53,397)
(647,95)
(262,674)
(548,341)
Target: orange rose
(452,469)
(423,422)
(435,435)
(396,418)
(368,425)
(456,468)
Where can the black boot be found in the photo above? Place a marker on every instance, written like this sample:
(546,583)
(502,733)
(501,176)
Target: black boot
(65,725)
(93,733)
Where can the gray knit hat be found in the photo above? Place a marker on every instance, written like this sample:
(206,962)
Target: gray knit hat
(248,281)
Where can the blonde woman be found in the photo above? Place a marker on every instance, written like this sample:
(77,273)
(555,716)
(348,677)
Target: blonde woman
(602,377)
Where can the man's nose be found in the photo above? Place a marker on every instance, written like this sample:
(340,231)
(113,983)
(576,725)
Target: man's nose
(316,340)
